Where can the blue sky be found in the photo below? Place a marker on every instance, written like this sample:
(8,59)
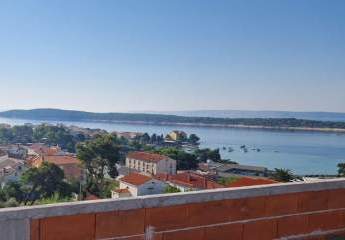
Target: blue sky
(114,55)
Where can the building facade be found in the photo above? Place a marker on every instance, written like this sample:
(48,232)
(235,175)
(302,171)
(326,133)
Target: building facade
(189,181)
(150,163)
(177,136)
(136,184)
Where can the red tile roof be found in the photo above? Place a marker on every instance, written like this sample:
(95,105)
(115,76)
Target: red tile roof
(190,179)
(124,190)
(145,156)
(135,179)
(71,165)
(34,160)
(44,150)
(61,160)
(247,181)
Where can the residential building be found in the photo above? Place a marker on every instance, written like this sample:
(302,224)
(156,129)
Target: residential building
(150,163)
(18,152)
(128,135)
(189,181)
(41,149)
(39,153)
(120,193)
(69,164)
(10,169)
(177,135)
(136,184)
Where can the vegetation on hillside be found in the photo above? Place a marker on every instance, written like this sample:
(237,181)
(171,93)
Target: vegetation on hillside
(55,114)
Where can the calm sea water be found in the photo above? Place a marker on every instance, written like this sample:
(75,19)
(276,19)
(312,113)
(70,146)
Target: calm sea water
(302,152)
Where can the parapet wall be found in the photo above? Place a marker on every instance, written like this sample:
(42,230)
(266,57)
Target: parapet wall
(279,211)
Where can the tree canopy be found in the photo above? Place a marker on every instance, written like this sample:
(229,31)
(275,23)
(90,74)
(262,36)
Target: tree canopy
(99,156)
(185,161)
(341,169)
(283,175)
(36,184)
(48,134)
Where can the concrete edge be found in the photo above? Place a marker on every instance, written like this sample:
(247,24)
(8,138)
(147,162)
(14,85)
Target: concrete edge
(85,207)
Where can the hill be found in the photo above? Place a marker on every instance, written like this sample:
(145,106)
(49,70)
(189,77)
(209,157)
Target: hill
(164,119)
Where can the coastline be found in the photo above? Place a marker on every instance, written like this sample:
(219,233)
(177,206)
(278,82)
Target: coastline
(305,129)
(239,126)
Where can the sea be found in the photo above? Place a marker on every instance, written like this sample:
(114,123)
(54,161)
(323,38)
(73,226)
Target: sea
(303,152)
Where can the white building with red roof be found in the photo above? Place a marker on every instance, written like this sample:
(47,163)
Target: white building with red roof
(150,163)
(136,184)
(189,181)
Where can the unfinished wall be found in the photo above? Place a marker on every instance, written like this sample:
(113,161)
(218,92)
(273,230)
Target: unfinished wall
(282,211)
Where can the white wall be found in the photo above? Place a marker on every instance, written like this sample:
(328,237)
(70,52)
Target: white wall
(151,187)
(167,166)
(131,188)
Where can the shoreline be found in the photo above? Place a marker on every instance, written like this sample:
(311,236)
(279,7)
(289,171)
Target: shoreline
(238,126)
(292,129)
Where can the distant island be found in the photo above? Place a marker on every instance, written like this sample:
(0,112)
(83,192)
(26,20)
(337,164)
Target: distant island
(165,119)
(317,116)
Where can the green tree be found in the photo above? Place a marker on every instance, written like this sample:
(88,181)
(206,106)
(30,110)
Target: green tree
(153,139)
(99,156)
(55,198)
(194,139)
(22,134)
(56,135)
(283,175)
(145,138)
(185,161)
(44,182)
(341,169)
(207,154)
(13,190)
(6,135)
(171,189)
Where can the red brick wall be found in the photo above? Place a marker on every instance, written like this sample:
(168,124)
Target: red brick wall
(306,215)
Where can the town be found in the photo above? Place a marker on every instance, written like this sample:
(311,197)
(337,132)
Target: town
(55,163)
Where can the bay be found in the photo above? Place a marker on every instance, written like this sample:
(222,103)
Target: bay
(302,152)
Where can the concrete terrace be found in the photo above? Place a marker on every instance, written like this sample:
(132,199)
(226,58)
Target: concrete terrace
(279,211)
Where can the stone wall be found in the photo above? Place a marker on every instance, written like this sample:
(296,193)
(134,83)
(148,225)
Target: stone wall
(280,211)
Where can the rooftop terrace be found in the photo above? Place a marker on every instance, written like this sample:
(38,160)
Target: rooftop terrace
(279,211)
